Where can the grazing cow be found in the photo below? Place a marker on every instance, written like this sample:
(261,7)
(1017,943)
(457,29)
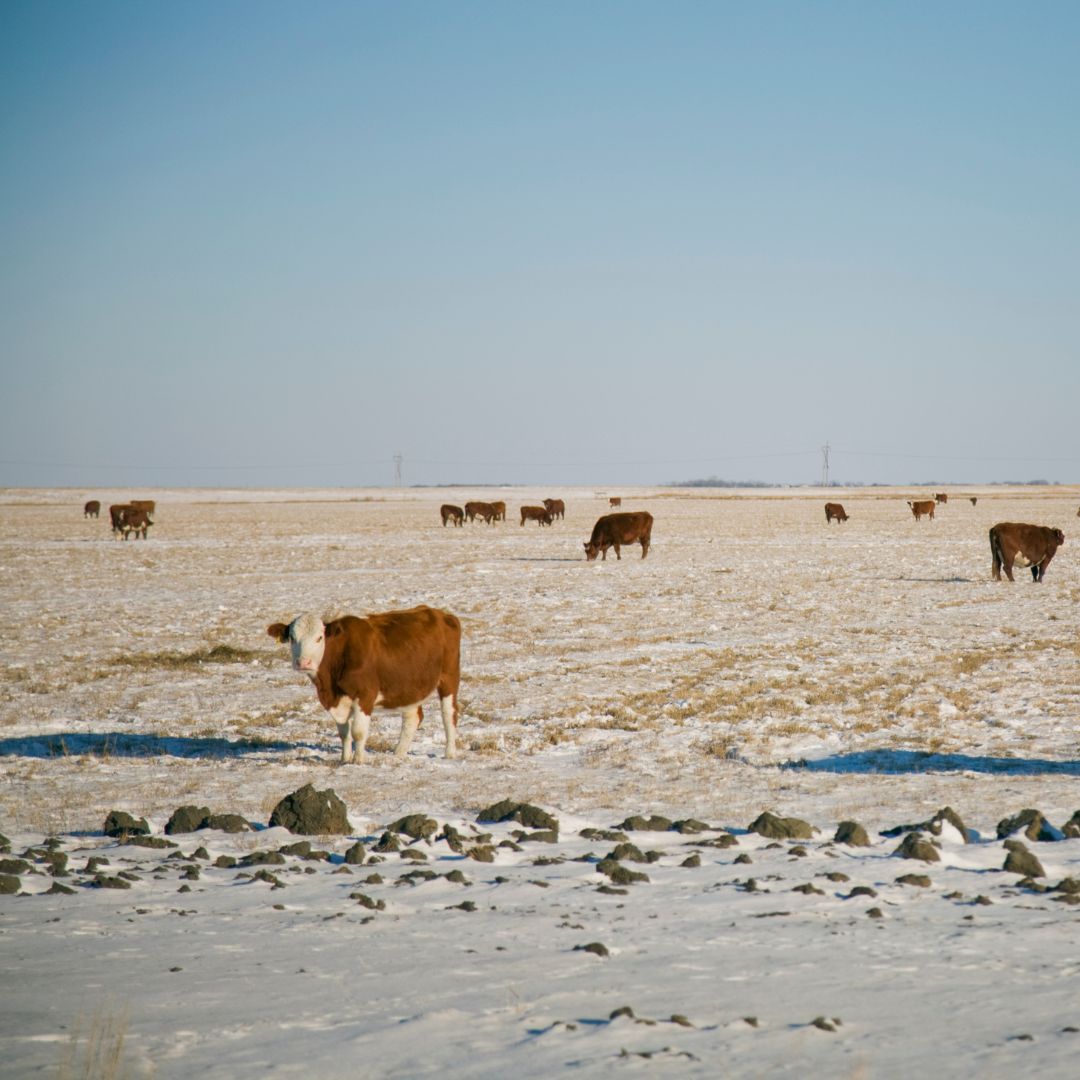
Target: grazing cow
(926,506)
(540,514)
(474,510)
(395,660)
(149,505)
(614,501)
(556,508)
(941,497)
(452,513)
(92,508)
(500,510)
(835,510)
(612,530)
(1013,544)
(135,521)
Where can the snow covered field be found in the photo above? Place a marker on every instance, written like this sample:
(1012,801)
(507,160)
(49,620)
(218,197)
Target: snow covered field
(757,660)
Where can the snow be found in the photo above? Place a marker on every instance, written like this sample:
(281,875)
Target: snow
(758,659)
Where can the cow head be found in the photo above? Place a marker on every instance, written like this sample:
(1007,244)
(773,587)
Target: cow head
(1059,536)
(591,550)
(306,637)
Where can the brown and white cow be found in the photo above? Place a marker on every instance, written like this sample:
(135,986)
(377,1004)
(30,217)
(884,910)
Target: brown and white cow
(925,506)
(1015,544)
(452,513)
(500,510)
(613,530)
(92,508)
(474,510)
(540,514)
(135,521)
(941,497)
(117,511)
(394,660)
(835,510)
(614,501)
(556,508)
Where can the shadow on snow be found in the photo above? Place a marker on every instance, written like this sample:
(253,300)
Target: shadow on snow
(125,744)
(913,761)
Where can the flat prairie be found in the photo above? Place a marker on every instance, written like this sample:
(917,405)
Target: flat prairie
(758,655)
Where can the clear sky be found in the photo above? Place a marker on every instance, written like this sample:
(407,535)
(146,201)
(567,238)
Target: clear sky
(259,243)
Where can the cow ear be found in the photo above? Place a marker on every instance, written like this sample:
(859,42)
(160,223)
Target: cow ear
(279,632)
(333,628)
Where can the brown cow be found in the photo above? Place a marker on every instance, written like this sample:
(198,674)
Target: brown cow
(941,497)
(975,499)
(395,659)
(452,513)
(116,516)
(540,514)
(614,501)
(1014,544)
(835,510)
(500,510)
(612,530)
(926,506)
(474,510)
(556,508)
(149,505)
(92,508)
(135,521)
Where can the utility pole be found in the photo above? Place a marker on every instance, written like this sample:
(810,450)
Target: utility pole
(825,465)
(399,460)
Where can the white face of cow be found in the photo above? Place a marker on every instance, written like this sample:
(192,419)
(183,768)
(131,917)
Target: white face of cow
(307,640)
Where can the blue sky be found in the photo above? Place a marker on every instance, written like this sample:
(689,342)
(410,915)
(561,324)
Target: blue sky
(275,243)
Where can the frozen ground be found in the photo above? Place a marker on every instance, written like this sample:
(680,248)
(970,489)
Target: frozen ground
(757,660)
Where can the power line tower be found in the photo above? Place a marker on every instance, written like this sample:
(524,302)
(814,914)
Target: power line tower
(825,465)
(399,461)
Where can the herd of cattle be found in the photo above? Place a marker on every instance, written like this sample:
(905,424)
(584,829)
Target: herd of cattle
(397,659)
(125,518)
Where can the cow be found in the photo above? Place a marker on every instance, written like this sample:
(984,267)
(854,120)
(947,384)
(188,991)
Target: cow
(116,516)
(135,521)
(1014,544)
(540,514)
(484,510)
(835,510)
(975,499)
(92,508)
(500,510)
(926,506)
(452,513)
(612,530)
(614,501)
(556,508)
(941,497)
(395,659)
(149,505)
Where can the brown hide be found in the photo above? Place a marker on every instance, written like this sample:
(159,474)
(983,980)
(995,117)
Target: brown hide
(614,501)
(483,510)
(1013,542)
(92,508)
(555,507)
(613,530)
(834,510)
(539,514)
(402,655)
(452,513)
(926,506)
(500,510)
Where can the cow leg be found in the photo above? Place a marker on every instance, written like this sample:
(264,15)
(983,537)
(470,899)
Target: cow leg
(449,719)
(1007,567)
(617,555)
(644,548)
(341,714)
(410,721)
(1037,571)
